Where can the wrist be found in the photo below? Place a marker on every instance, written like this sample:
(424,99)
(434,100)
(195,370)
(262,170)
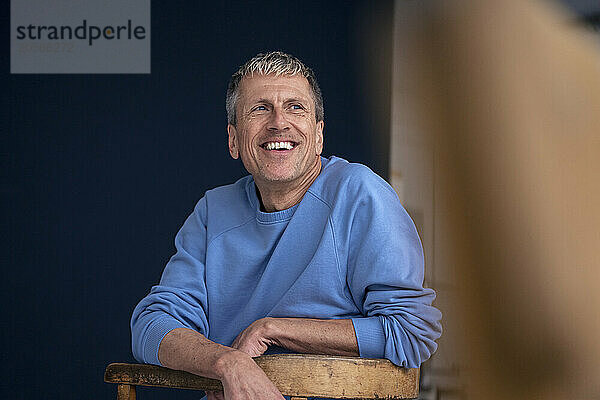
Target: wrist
(228,362)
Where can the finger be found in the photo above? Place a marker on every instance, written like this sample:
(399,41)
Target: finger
(252,350)
(236,341)
(243,345)
(213,395)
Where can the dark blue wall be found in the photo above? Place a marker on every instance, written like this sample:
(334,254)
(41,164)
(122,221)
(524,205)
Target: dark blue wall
(99,171)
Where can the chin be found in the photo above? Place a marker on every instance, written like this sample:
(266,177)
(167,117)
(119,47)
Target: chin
(278,176)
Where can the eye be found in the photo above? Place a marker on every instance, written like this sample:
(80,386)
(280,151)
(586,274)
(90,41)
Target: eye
(259,108)
(296,107)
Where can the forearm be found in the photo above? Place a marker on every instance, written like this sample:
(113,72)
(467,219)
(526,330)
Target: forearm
(187,350)
(317,336)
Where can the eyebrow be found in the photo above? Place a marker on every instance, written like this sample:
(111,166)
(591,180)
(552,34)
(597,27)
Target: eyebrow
(295,99)
(290,100)
(262,100)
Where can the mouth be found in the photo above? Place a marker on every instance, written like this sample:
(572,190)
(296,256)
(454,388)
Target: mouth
(279,146)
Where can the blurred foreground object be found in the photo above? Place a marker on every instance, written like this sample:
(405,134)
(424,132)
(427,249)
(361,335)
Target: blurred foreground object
(496,150)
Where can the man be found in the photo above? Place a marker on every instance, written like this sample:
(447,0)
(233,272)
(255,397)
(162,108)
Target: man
(306,254)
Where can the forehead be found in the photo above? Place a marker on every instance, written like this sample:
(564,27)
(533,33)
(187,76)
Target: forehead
(260,86)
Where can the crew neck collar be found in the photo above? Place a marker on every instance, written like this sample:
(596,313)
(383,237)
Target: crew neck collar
(276,216)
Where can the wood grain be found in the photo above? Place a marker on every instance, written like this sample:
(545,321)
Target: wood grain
(125,392)
(296,375)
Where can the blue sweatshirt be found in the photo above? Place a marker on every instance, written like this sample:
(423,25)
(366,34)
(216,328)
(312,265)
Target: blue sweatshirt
(347,250)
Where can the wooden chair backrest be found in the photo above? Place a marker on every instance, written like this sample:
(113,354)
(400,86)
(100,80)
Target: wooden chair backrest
(296,375)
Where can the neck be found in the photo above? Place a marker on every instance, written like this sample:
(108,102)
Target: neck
(277,196)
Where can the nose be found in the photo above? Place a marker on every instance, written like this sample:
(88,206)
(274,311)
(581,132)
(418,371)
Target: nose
(278,121)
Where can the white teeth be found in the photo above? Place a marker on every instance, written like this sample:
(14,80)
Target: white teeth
(279,145)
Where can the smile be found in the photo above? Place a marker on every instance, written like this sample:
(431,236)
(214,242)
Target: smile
(278,145)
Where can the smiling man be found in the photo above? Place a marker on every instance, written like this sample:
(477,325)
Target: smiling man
(278,136)
(306,254)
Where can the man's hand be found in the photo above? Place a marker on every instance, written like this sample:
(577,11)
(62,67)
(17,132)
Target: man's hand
(254,339)
(187,350)
(243,379)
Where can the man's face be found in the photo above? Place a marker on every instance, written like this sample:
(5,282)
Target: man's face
(276,135)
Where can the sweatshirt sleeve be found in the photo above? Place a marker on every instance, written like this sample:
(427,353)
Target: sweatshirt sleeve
(385,277)
(179,300)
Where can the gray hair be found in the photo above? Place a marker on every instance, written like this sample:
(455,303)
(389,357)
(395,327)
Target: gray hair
(276,63)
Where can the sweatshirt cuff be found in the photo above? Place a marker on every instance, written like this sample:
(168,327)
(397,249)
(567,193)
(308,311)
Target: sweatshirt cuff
(155,334)
(370,337)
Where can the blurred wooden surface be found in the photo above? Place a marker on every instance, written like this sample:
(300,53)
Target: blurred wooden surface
(497,111)
(296,375)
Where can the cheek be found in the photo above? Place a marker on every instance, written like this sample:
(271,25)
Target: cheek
(247,142)
(302,117)
(303,123)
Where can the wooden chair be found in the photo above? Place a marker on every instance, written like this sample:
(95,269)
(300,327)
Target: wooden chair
(296,375)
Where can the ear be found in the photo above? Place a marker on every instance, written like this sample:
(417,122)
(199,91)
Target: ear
(233,143)
(319,143)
